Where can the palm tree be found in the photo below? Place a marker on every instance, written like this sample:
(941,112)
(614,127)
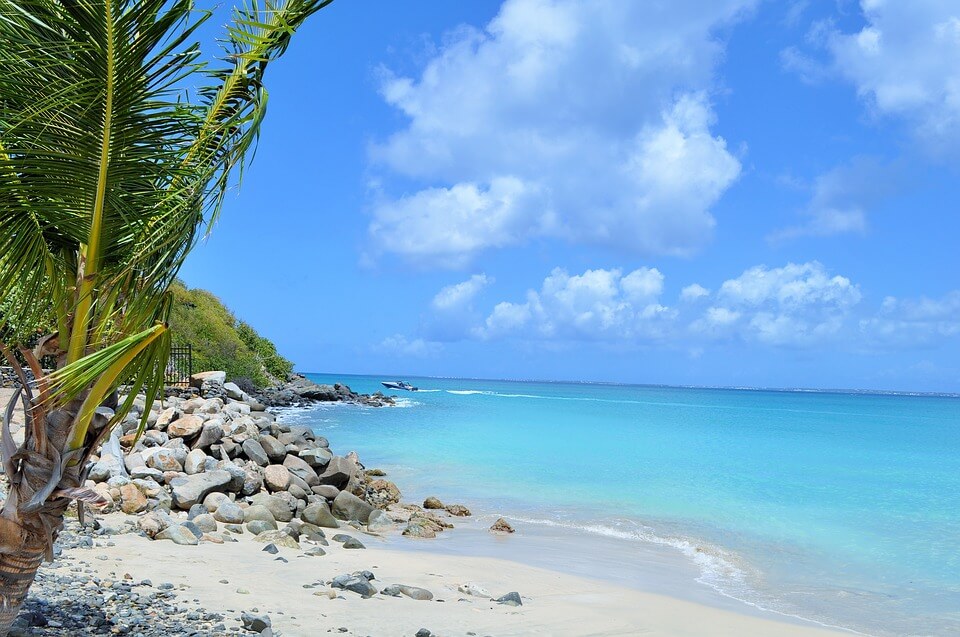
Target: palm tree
(118,142)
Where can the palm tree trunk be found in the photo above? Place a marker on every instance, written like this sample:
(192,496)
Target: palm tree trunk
(17,571)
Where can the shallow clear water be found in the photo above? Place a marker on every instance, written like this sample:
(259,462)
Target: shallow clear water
(841,508)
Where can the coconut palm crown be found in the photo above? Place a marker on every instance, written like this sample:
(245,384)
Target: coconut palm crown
(118,142)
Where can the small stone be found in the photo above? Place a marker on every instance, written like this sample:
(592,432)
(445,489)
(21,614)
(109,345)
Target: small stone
(415,592)
(315,551)
(261,526)
(356,583)
(229,513)
(423,632)
(206,523)
(256,623)
(271,548)
(501,526)
(458,510)
(353,543)
(510,599)
(279,538)
(432,503)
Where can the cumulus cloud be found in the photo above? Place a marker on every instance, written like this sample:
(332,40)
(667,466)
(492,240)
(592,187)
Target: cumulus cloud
(797,304)
(904,62)
(595,305)
(914,321)
(585,121)
(458,296)
(693,292)
(402,346)
(841,198)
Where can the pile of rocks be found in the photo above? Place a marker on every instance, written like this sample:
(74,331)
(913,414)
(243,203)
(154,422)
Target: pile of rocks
(219,463)
(299,390)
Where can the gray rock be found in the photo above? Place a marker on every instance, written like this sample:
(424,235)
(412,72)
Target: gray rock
(326,491)
(319,514)
(392,590)
(206,523)
(271,549)
(338,472)
(179,534)
(214,500)
(355,583)
(379,522)
(189,490)
(415,592)
(210,434)
(195,462)
(315,551)
(164,459)
(276,477)
(278,507)
(229,513)
(347,506)
(233,391)
(510,599)
(279,538)
(145,472)
(423,632)
(275,451)
(256,623)
(195,510)
(301,469)
(317,458)
(254,450)
(256,527)
(353,543)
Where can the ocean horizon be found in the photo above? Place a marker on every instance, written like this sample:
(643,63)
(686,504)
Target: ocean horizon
(837,507)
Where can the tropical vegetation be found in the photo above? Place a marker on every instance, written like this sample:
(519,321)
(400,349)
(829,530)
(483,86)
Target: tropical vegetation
(118,139)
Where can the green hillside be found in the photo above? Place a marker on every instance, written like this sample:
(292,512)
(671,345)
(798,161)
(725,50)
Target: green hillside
(220,341)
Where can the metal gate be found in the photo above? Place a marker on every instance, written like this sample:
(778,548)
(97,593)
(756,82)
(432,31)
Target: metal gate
(179,367)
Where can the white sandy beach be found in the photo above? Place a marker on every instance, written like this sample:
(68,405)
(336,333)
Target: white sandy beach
(553,603)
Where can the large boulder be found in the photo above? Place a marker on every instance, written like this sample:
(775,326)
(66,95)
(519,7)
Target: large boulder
(278,507)
(347,506)
(190,490)
(229,513)
(185,426)
(254,450)
(276,477)
(382,493)
(338,472)
(275,451)
(317,458)
(302,470)
(210,434)
(318,514)
(198,379)
(132,499)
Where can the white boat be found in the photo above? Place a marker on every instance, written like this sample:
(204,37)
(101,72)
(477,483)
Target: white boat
(398,384)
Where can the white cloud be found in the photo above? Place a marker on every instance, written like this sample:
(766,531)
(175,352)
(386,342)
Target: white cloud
(693,292)
(798,304)
(841,197)
(586,121)
(401,346)
(595,305)
(914,321)
(458,296)
(905,62)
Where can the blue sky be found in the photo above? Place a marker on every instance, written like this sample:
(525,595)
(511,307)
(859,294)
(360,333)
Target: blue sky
(722,192)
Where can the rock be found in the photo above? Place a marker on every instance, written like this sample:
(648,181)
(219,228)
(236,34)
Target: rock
(419,530)
(210,434)
(199,378)
(474,589)
(164,459)
(425,525)
(250,621)
(254,450)
(134,461)
(432,503)
(185,426)
(423,632)
(379,522)
(355,583)
(214,500)
(276,477)
(167,416)
(252,482)
(316,551)
(458,510)
(229,513)
(195,510)
(190,490)
(180,534)
(347,506)
(146,473)
(271,549)
(273,448)
(317,458)
(319,514)
(353,543)
(501,526)
(415,592)
(233,391)
(132,499)
(195,462)
(257,527)
(326,491)
(237,475)
(392,590)
(278,507)
(382,493)
(154,522)
(277,537)
(510,599)
(338,472)
(375,473)
(206,523)
(149,488)
(301,469)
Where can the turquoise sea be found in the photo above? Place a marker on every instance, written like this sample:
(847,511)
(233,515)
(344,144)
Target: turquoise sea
(841,508)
